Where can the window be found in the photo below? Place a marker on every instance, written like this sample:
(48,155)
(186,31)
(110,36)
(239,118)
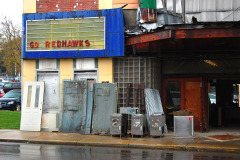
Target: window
(29,96)
(173,95)
(17,85)
(235,93)
(8,85)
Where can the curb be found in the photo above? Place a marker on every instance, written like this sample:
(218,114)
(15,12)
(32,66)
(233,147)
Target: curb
(186,148)
(137,146)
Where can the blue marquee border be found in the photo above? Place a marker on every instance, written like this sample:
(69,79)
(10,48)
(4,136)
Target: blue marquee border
(114,34)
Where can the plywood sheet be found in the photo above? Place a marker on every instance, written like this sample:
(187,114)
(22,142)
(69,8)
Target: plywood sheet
(193,101)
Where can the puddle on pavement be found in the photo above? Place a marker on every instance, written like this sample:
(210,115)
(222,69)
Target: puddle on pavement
(225,137)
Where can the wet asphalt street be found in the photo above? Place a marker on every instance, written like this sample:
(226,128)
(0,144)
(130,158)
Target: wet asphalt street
(15,151)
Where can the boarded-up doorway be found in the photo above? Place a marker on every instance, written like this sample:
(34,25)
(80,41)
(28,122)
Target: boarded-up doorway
(183,94)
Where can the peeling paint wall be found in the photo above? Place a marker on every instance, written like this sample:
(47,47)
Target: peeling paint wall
(29,6)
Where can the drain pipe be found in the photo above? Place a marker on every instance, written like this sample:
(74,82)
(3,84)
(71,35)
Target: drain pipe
(184,11)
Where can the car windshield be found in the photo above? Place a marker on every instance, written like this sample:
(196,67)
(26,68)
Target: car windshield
(12,95)
(8,85)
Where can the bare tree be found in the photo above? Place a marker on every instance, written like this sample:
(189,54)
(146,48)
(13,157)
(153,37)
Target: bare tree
(10,50)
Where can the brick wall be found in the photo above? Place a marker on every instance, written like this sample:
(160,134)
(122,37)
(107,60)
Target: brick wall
(66,5)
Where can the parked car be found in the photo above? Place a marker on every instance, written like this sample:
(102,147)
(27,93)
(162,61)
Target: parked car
(17,79)
(9,79)
(3,80)
(1,92)
(1,84)
(11,100)
(11,85)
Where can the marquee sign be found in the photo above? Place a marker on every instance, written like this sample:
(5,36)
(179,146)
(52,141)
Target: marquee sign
(73,34)
(66,34)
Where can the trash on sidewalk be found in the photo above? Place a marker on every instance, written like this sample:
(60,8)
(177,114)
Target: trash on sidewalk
(183,126)
(157,125)
(118,124)
(138,125)
(154,106)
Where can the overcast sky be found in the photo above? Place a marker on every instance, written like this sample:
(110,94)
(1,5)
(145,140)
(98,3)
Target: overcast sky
(12,9)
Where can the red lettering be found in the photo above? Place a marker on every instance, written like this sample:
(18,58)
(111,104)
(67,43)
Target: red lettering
(87,43)
(53,44)
(64,43)
(80,43)
(69,43)
(47,43)
(31,44)
(75,43)
(59,43)
(36,44)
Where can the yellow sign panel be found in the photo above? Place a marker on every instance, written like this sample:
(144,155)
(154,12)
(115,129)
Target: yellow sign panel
(66,34)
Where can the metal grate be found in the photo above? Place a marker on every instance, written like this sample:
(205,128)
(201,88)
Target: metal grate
(135,70)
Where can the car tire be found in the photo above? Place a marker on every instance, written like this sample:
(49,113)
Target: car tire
(18,107)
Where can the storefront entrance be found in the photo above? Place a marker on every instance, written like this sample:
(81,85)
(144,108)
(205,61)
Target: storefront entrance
(224,108)
(183,94)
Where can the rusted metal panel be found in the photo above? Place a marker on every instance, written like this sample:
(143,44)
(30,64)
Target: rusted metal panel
(74,106)
(136,94)
(128,94)
(148,15)
(149,37)
(207,33)
(195,38)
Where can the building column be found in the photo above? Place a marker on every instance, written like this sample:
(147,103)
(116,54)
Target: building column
(105,4)
(66,72)
(105,66)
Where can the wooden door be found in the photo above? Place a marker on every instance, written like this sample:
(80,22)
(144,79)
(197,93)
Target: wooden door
(193,101)
(32,106)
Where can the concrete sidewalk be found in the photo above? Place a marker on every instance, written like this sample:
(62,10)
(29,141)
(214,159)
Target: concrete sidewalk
(199,142)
